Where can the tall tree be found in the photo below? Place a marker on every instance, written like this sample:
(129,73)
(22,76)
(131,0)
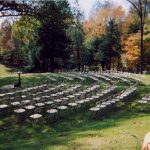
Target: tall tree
(24,34)
(6,29)
(131,55)
(104,48)
(96,26)
(114,42)
(5,40)
(53,39)
(141,7)
(76,34)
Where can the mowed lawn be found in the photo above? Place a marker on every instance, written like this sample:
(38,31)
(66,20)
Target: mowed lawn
(6,71)
(123,129)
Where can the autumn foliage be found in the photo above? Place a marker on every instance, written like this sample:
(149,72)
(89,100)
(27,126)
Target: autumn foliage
(131,51)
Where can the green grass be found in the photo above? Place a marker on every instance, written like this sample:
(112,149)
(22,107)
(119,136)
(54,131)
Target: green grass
(123,128)
(6,71)
(145,79)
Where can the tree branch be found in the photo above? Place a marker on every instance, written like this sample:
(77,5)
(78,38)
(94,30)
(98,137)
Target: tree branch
(136,8)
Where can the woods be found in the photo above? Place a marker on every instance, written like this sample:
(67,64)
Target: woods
(53,35)
(74,74)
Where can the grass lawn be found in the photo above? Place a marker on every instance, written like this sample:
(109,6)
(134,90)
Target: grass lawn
(123,129)
(6,71)
(144,78)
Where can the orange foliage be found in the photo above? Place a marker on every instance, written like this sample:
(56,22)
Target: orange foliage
(132,50)
(127,21)
(96,25)
(89,26)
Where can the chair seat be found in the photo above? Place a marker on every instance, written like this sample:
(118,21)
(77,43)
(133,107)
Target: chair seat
(23,96)
(64,98)
(53,95)
(72,104)
(87,100)
(91,98)
(143,102)
(94,109)
(102,106)
(58,100)
(46,91)
(77,94)
(80,102)
(19,111)
(30,107)
(46,96)
(62,107)
(95,97)
(36,98)
(36,116)
(15,103)
(3,106)
(39,104)
(26,101)
(52,111)
(49,102)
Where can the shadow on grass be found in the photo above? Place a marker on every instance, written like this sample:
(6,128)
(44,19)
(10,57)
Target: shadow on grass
(41,136)
(11,70)
(79,124)
(7,80)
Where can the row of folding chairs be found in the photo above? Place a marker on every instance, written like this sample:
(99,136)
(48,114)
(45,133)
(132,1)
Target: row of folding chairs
(112,100)
(77,103)
(145,99)
(36,102)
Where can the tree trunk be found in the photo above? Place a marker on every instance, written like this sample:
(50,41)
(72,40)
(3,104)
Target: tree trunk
(52,64)
(118,64)
(103,66)
(141,47)
(109,62)
(78,58)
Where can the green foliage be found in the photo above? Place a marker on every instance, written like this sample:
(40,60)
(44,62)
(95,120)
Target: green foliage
(123,127)
(88,53)
(5,34)
(147,30)
(52,37)
(76,45)
(134,27)
(5,41)
(24,36)
(102,49)
(113,35)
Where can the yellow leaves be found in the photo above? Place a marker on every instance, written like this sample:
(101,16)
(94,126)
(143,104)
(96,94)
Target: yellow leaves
(96,25)
(132,50)
(88,26)
(110,12)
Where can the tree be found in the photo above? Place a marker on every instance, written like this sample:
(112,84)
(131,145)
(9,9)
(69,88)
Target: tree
(5,40)
(96,25)
(89,51)
(147,45)
(24,35)
(114,42)
(131,53)
(6,29)
(21,8)
(104,48)
(76,35)
(141,8)
(52,34)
